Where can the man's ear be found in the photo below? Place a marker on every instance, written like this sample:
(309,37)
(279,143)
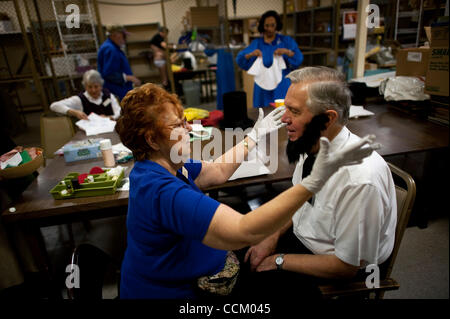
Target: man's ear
(332,117)
(151,141)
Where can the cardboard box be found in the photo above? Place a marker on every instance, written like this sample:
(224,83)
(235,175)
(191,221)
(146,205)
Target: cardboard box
(412,62)
(370,66)
(205,16)
(82,150)
(439,36)
(436,82)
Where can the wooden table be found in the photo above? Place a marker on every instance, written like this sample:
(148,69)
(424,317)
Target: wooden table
(399,132)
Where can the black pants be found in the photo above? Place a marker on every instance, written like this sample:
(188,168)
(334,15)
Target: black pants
(276,284)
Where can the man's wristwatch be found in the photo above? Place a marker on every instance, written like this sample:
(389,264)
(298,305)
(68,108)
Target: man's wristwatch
(279,261)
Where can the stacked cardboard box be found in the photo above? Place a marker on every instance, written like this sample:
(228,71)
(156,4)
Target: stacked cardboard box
(436,82)
(412,62)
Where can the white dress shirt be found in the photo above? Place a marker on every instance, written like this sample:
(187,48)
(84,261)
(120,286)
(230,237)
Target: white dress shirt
(74,102)
(354,215)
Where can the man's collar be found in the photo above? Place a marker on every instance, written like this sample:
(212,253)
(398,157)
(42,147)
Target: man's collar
(339,141)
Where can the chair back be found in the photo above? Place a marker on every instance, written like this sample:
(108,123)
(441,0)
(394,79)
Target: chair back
(405,195)
(55,132)
(92,264)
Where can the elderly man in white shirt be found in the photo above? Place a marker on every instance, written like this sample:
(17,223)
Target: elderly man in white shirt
(95,99)
(351,221)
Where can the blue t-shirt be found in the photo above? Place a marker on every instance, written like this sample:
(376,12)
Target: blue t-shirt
(168,216)
(263,97)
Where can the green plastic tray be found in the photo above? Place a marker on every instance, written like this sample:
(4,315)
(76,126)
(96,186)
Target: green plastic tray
(102,185)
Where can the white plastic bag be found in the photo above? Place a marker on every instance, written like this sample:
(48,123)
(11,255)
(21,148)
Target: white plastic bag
(400,88)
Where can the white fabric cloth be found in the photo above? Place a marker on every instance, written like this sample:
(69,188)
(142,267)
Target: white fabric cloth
(74,102)
(354,215)
(268,78)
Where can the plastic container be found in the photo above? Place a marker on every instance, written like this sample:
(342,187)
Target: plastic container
(191,90)
(102,185)
(108,156)
(279,102)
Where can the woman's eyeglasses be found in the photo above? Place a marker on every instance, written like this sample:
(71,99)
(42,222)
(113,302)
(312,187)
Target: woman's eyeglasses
(182,124)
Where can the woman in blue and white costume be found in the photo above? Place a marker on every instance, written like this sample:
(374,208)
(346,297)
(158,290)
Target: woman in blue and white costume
(271,44)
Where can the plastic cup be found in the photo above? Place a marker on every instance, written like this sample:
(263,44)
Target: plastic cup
(279,102)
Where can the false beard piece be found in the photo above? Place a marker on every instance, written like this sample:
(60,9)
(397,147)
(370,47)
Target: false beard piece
(306,142)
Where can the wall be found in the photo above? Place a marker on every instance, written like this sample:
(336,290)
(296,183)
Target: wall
(253,8)
(175,10)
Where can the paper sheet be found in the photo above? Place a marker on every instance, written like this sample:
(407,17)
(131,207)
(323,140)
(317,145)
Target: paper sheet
(357,111)
(96,125)
(252,167)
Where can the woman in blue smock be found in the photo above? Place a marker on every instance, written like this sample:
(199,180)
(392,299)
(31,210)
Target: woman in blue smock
(269,44)
(177,234)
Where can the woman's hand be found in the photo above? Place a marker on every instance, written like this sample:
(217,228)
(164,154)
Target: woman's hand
(257,52)
(257,253)
(78,114)
(281,51)
(326,163)
(267,264)
(265,125)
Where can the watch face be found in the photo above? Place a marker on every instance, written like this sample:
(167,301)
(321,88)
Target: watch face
(279,260)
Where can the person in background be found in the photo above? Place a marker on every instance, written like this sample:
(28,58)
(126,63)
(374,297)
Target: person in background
(177,234)
(113,64)
(349,223)
(269,45)
(95,99)
(158,45)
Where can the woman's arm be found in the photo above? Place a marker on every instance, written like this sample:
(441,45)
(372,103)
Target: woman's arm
(71,106)
(115,106)
(296,59)
(241,58)
(219,171)
(230,230)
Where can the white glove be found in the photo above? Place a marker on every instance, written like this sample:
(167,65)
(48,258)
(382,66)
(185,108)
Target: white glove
(327,164)
(264,125)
